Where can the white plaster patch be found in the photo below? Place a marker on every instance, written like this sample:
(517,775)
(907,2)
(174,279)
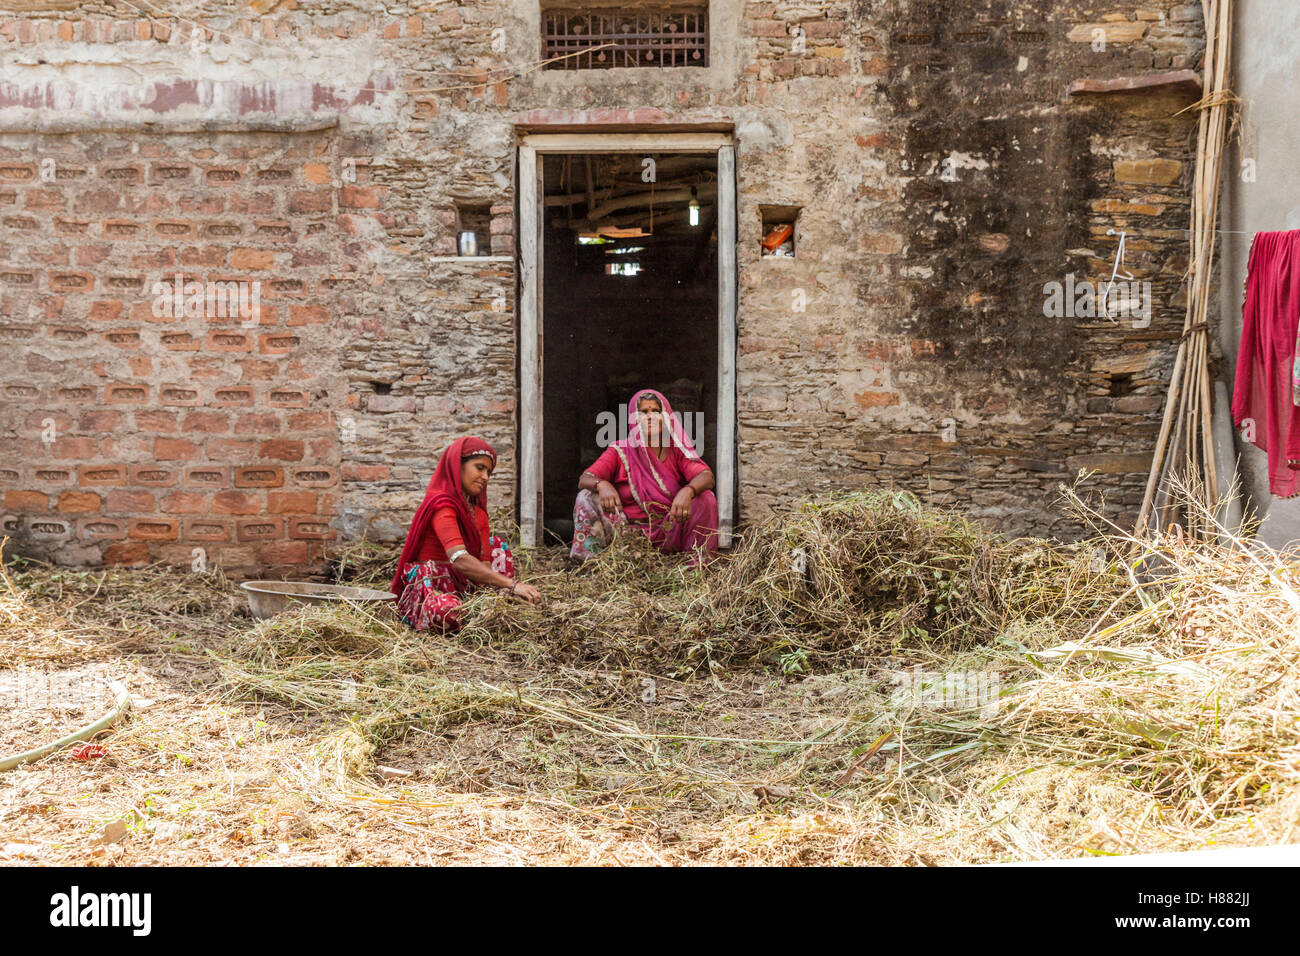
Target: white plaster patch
(761,134)
(958,160)
(87,84)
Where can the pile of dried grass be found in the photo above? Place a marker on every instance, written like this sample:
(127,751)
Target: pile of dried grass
(1166,722)
(120,607)
(365,564)
(857,576)
(630,607)
(53,613)
(333,661)
(1195,695)
(1180,712)
(24,628)
(838,582)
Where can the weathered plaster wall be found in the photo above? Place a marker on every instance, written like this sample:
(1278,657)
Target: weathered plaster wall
(1262,199)
(975,180)
(945,175)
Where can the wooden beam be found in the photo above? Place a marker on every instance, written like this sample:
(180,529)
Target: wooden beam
(624,142)
(591,185)
(1187,81)
(726,424)
(530,355)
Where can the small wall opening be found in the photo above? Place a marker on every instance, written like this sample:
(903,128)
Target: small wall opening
(1121,384)
(609,34)
(477,219)
(779,231)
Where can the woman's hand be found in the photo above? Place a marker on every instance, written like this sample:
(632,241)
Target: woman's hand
(526,592)
(681,506)
(609,500)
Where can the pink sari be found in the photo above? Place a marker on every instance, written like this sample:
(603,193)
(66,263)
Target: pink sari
(653,485)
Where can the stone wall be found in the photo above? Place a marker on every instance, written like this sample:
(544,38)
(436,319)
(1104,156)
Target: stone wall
(944,170)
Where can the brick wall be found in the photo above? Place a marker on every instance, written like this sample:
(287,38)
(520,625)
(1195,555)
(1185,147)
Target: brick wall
(943,168)
(134,430)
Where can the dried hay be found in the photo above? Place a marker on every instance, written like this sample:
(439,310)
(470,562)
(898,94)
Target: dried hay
(839,582)
(1133,713)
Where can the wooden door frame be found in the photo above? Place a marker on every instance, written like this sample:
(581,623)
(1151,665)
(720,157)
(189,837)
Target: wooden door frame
(531,146)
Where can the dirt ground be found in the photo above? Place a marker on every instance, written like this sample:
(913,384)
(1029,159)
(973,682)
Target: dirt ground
(198,780)
(546,762)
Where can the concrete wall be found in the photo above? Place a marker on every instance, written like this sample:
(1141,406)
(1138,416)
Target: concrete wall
(944,170)
(1266,79)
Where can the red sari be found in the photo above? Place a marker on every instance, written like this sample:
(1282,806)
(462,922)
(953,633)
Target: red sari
(429,589)
(1263,398)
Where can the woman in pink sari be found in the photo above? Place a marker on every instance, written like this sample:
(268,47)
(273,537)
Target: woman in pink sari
(653,481)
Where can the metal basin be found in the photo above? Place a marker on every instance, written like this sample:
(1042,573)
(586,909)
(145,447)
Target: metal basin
(268,598)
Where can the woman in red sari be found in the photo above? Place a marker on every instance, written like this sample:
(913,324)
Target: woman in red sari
(450,550)
(654,481)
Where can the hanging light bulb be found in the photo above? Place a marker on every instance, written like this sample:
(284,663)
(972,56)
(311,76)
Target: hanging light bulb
(695,208)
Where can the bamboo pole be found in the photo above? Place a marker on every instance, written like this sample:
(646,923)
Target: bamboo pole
(1184,452)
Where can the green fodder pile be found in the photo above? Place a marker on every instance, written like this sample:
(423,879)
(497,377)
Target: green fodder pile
(630,607)
(866,573)
(835,583)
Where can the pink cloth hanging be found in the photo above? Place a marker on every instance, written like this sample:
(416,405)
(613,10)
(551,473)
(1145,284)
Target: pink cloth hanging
(1267,386)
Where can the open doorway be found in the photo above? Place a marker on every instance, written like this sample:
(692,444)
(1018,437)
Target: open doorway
(629,300)
(702,160)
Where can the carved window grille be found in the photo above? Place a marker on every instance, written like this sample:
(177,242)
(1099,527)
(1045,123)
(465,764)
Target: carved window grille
(612,38)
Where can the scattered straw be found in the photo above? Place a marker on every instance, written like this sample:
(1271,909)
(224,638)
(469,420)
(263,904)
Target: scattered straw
(755,711)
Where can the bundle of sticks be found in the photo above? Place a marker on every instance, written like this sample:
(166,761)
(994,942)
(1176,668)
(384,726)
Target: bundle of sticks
(1183,467)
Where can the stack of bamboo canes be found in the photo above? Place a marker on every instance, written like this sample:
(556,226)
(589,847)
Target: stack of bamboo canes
(1184,455)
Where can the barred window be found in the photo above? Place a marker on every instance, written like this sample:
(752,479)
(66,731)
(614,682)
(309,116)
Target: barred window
(614,37)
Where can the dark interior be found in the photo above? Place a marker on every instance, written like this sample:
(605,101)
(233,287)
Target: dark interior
(605,332)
